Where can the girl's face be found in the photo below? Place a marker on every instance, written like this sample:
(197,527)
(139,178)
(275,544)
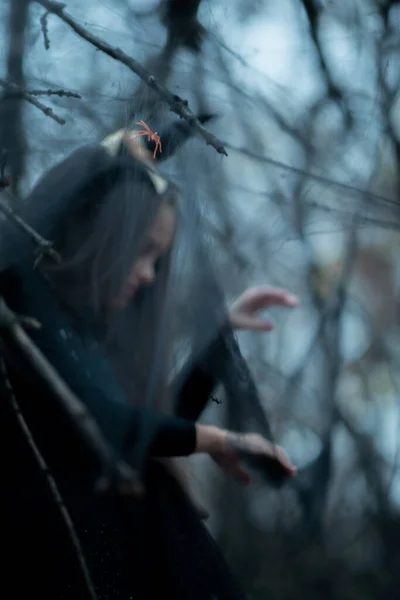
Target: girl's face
(159,241)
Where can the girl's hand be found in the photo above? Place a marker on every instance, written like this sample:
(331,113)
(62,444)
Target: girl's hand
(244,311)
(230,450)
(258,453)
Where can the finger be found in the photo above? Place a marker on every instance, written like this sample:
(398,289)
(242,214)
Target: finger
(283,458)
(288,300)
(280,469)
(252,323)
(278,454)
(276,297)
(240,473)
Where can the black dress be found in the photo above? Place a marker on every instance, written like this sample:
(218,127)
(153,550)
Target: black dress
(134,549)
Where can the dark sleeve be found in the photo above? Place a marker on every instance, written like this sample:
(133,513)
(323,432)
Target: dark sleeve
(196,383)
(89,374)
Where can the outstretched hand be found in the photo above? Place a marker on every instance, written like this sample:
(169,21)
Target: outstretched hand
(253,450)
(244,312)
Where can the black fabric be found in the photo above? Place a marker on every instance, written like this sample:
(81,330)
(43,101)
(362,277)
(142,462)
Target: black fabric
(87,372)
(134,549)
(139,549)
(36,554)
(196,383)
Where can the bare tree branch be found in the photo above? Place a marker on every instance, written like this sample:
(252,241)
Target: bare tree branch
(180,18)
(312,15)
(45,30)
(16,91)
(50,481)
(12,131)
(61,93)
(45,247)
(177,104)
(114,470)
(333,90)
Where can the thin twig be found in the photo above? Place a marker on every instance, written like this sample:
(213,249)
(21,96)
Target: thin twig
(333,89)
(114,470)
(45,247)
(45,31)
(50,481)
(176,104)
(61,93)
(313,176)
(17,91)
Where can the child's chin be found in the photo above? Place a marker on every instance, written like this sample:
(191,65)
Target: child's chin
(122,301)
(119,303)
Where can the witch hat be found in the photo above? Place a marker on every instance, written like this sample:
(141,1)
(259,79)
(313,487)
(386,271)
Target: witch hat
(150,147)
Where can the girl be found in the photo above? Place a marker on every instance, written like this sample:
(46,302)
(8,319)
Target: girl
(104,313)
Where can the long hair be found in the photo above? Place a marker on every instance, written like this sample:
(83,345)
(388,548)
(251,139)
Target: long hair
(97,209)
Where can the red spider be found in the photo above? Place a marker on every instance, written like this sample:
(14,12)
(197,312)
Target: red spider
(153,137)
